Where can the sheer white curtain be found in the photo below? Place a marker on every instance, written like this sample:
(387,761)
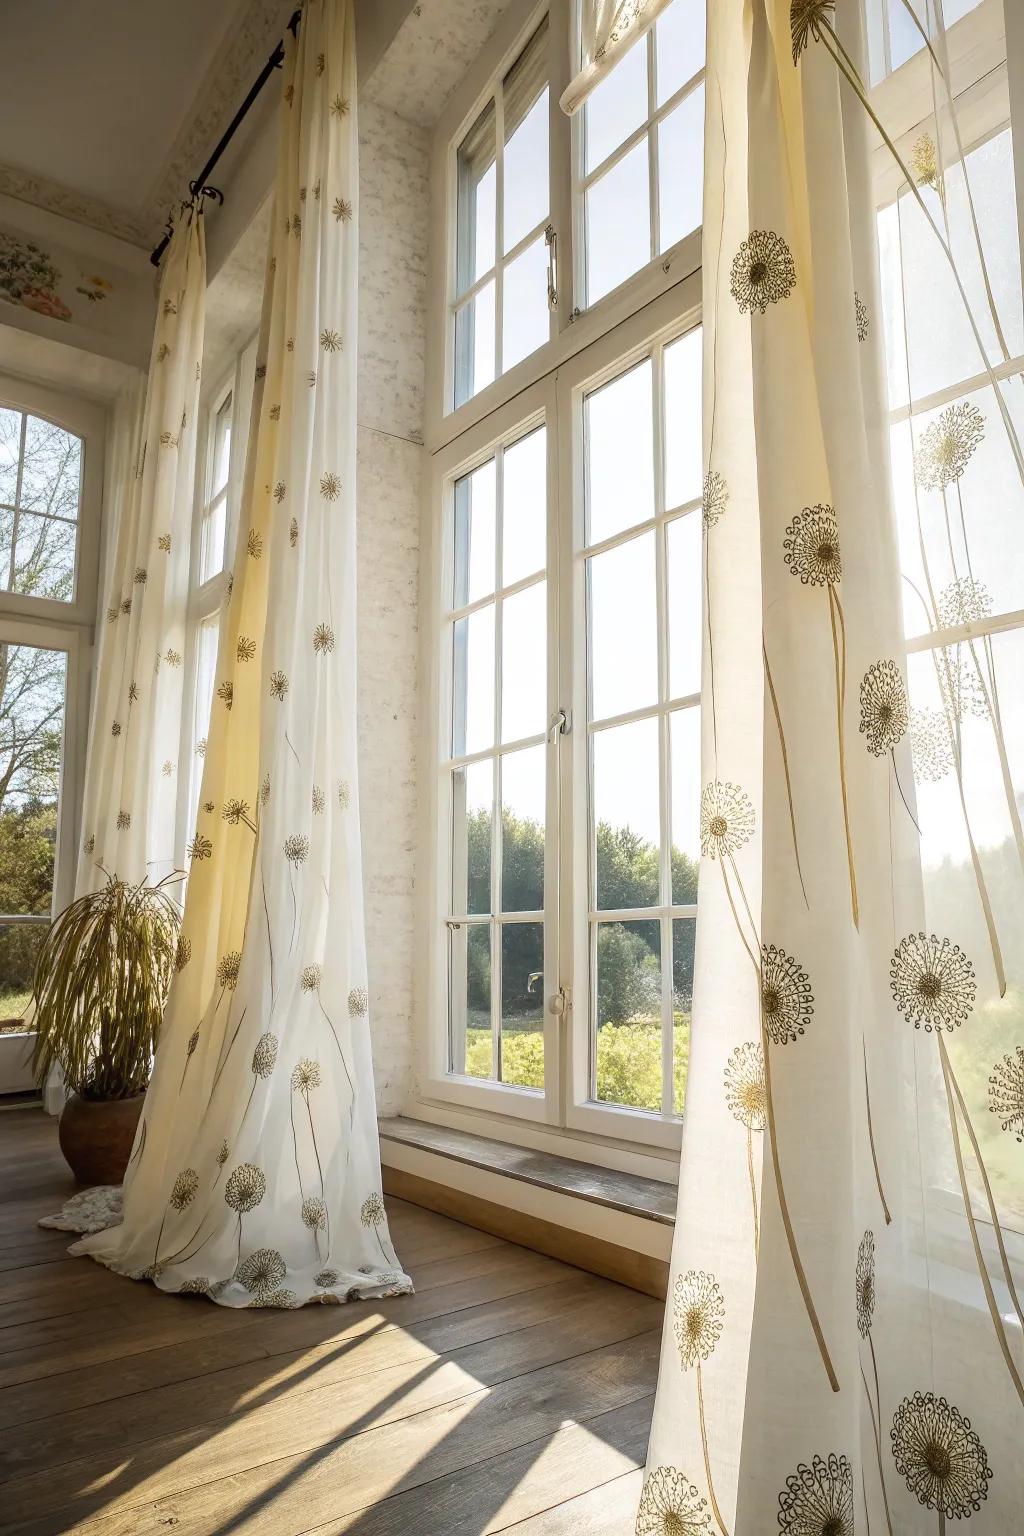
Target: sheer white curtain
(843,1347)
(255,1177)
(607,30)
(128,816)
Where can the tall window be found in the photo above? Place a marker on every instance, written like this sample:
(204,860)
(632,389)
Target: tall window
(51,451)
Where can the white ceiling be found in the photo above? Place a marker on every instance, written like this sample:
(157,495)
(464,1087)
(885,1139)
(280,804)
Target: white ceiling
(108,110)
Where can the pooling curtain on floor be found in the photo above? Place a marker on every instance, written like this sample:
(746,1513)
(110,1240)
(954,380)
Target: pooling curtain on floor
(843,1346)
(255,1176)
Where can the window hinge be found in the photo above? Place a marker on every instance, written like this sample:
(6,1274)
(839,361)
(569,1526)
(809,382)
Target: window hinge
(560,1002)
(561,724)
(551,241)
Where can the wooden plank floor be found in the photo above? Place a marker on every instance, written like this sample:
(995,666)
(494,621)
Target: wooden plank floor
(511,1393)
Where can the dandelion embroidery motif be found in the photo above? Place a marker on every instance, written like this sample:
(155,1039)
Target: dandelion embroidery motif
(172,657)
(932,982)
(930,744)
(1006,1093)
(168,769)
(726,819)
(787,1002)
(163,543)
(939,1456)
(246,1185)
(339,107)
(261,1271)
(698,1316)
(278,685)
(264,1057)
(330,487)
(371,1214)
(275,415)
(807,18)
(310,978)
(323,640)
(282,1297)
(226,693)
(279,491)
(671,1506)
(236,811)
(245,649)
(254,544)
(200,848)
(265,789)
(326,1278)
(860,311)
(306,1075)
(964,601)
(163,352)
(344,795)
(126,605)
(924,161)
(228,968)
(818,1499)
(812,546)
(884,712)
(865,1283)
(115,729)
(184,1189)
(314,1214)
(141,576)
(358,1002)
(293,532)
(90,845)
(330,340)
(714,498)
(342,210)
(124,821)
(947,446)
(296,848)
(762,272)
(318,800)
(747,1100)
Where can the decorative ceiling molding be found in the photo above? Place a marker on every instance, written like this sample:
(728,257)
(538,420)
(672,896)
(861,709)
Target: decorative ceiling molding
(246,45)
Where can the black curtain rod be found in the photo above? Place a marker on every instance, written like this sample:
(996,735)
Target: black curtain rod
(198,188)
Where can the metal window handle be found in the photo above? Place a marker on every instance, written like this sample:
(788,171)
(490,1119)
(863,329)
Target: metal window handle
(551,241)
(560,1002)
(561,725)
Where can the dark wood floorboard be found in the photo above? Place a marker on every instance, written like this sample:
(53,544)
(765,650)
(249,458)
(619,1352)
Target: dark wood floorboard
(511,1393)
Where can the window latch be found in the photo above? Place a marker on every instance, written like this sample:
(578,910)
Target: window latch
(560,1002)
(551,241)
(561,725)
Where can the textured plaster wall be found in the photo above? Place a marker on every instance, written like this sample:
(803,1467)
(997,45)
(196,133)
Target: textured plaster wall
(393,244)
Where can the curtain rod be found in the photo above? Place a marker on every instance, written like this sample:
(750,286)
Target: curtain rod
(198,188)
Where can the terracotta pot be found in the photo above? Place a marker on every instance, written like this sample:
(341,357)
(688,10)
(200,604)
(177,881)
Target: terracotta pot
(96,1137)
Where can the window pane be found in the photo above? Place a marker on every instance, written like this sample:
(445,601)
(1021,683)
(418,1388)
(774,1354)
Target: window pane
(474,344)
(524,507)
(525,103)
(618,220)
(904,38)
(683,538)
(473,700)
(469,1000)
(524,673)
(685,743)
(477,180)
(684,934)
(619,444)
(475,517)
(627,823)
(683,452)
(472,806)
(623,628)
(214,531)
(32,701)
(616,107)
(679,41)
(221,448)
(628,1008)
(52,472)
(20,944)
(681,169)
(523,777)
(522,1005)
(207,639)
(525,322)
(10,453)
(44,558)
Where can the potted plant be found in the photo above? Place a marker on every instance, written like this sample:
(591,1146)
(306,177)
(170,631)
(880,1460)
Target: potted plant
(98,997)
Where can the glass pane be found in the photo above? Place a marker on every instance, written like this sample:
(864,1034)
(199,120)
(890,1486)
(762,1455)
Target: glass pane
(10,453)
(618,221)
(683,537)
(970,528)
(683,451)
(52,472)
(618,427)
(616,107)
(904,37)
(32,702)
(623,628)
(685,743)
(211,554)
(681,169)
(469,1000)
(626,820)
(523,783)
(684,935)
(628,1008)
(472,808)
(522,1005)
(524,668)
(475,520)
(20,944)
(221,447)
(679,42)
(524,507)
(526,172)
(477,181)
(43,562)
(525,323)
(473,700)
(474,344)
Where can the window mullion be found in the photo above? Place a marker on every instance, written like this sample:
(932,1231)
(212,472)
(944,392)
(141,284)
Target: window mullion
(499,225)
(652,148)
(664,725)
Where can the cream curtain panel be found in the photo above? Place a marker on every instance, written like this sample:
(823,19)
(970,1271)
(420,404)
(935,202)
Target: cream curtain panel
(131,792)
(255,1177)
(607,30)
(843,1346)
